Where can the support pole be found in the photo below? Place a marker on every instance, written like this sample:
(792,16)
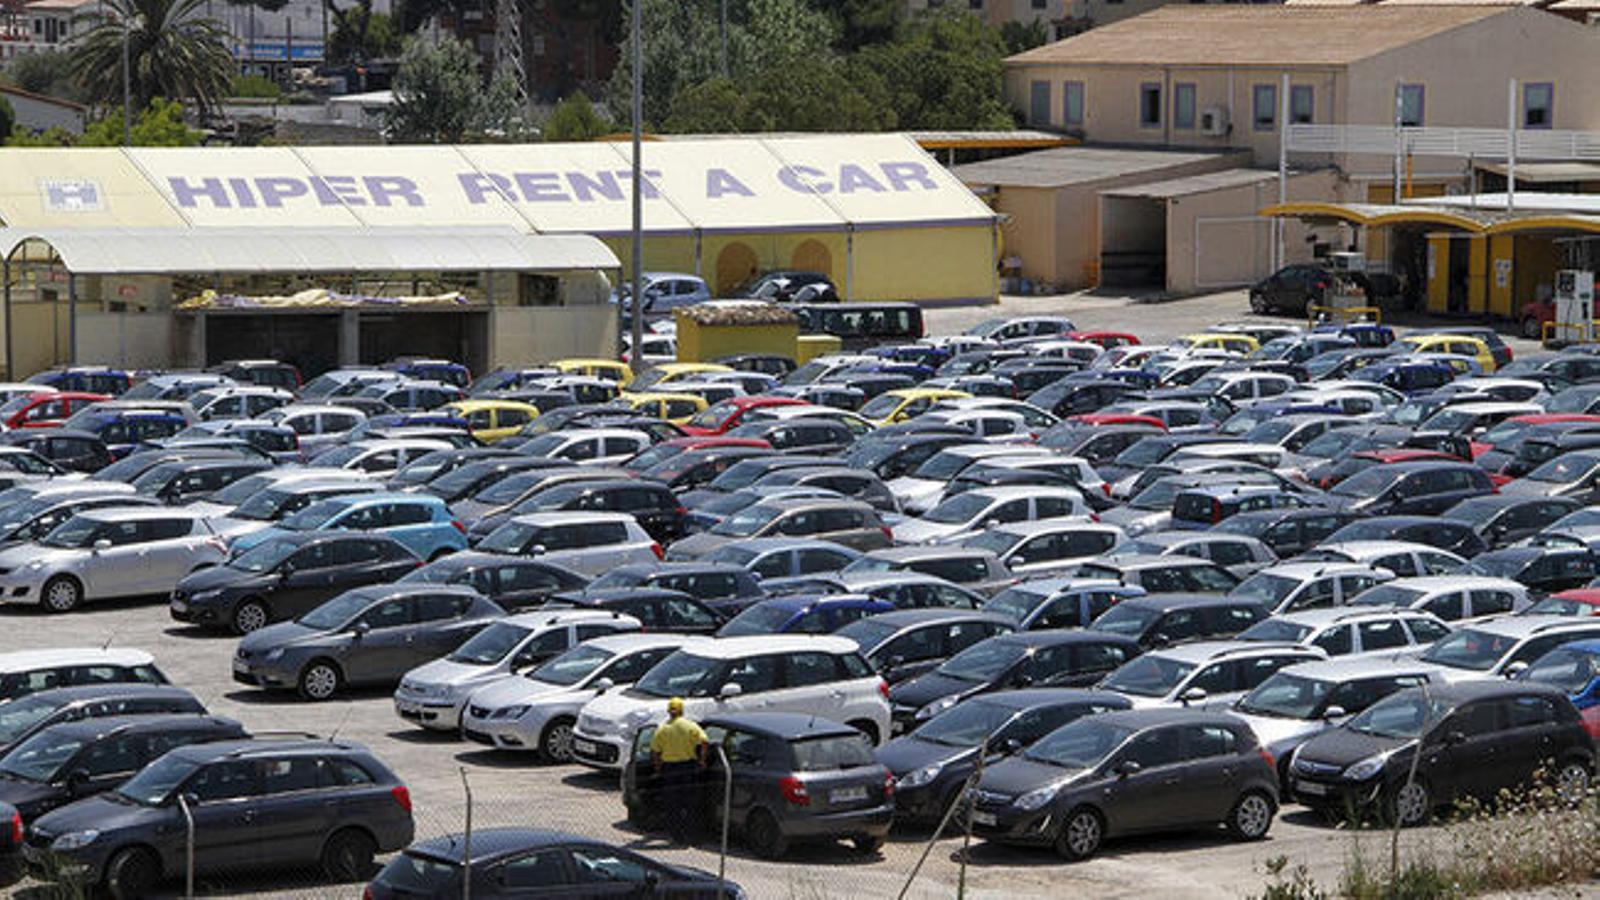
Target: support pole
(1511,146)
(72,319)
(127,89)
(1279,251)
(1399,125)
(636,294)
(5,276)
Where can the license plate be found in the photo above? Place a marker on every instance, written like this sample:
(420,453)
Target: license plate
(983,818)
(1311,787)
(180,606)
(582,746)
(240,667)
(845,795)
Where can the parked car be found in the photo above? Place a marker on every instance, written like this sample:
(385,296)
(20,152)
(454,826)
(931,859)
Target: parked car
(1452,598)
(906,643)
(1572,669)
(1162,574)
(1069,602)
(1203,671)
(723,587)
(1504,646)
(31,512)
(847,522)
(972,567)
(1411,488)
(25,672)
(803,614)
(421,522)
(1344,631)
(513,583)
(22,718)
(588,543)
(1160,620)
(107,553)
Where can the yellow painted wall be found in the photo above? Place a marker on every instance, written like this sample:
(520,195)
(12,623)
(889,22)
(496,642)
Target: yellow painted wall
(1438,274)
(925,264)
(1477,274)
(1502,261)
(811,346)
(705,343)
(1538,258)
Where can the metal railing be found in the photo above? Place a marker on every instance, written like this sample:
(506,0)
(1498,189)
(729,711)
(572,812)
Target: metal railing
(1315,312)
(1480,143)
(1571,331)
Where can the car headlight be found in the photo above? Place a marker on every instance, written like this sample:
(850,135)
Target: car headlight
(510,712)
(937,706)
(1367,768)
(921,776)
(36,565)
(203,596)
(74,840)
(274,655)
(1032,800)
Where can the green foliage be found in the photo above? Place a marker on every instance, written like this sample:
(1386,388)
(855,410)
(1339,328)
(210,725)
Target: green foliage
(943,72)
(158,125)
(1290,883)
(8,117)
(440,98)
(575,119)
(1020,36)
(48,72)
(715,106)
(174,49)
(863,22)
(55,137)
(360,34)
(256,86)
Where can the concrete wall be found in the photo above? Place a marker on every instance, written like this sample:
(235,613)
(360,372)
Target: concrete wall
(533,334)
(1235,246)
(41,114)
(138,340)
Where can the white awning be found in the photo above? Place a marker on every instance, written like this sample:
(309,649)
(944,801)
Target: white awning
(135,251)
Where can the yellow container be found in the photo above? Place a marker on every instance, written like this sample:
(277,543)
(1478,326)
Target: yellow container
(704,343)
(810,346)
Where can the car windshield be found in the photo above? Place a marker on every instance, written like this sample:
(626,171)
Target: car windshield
(1400,717)
(1561,606)
(1476,510)
(335,612)
(1588,517)
(1569,669)
(18,514)
(1148,676)
(618,578)
(263,557)
(78,531)
(958,510)
(1286,696)
(682,675)
(942,466)
(983,662)
(733,555)
(339,456)
(1126,619)
(22,714)
(491,645)
(763,618)
(154,479)
(1496,565)
(1470,649)
(1571,400)
(1015,602)
(1159,496)
(965,724)
(510,489)
(1450,419)
(865,632)
(1080,745)
(1144,452)
(1270,432)
(1332,443)
(39,758)
(312,517)
(997,542)
(1276,631)
(653,456)
(712,417)
(1564,469)
(1265,587)
(511,538)
(545,444)
(157,781)
(572,666)
(832,752)
(746,522)
(1369,483)
(241,490)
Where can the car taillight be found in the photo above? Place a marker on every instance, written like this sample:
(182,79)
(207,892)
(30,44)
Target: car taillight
(1216,511)
(681,511)
(366,893)
(401,796)
(660,553)
(16,829)
(887,532)
(460,526)
(794,791)
(888,785)
(1105,488)
(883,688)
(1266,757)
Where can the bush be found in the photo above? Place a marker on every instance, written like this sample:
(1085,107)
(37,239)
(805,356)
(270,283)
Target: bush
(256,86)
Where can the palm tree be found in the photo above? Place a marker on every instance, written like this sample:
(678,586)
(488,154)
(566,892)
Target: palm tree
(174,51)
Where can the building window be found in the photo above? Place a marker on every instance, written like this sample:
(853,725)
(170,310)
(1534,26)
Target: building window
(1538,105)
(1411,105)
(1183,95)
(1040,4)
(1264,107)
(1149,105)
(1302,104)
(1072,102)
(1039,103)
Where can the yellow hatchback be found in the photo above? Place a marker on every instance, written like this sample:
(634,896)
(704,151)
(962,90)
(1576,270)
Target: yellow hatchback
(493,420)
(675,408)
(666,373)
(609,369)
(890,407)
(1458,344)
(1237,344)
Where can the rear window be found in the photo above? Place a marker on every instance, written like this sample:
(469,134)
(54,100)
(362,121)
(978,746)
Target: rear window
(417,875)
(1195,508)
(836,752)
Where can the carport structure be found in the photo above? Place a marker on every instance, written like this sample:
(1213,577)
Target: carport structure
(550,288)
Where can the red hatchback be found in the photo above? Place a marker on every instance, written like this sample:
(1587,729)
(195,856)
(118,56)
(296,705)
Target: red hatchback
(47,409)
(1119,419)
(1106,339)
(724,416)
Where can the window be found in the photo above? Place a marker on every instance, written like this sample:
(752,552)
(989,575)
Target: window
(1485,603)
(1264,107)
(1211,740)
(341,773)
(1410,103)
(1538,105)
(754,675)
(599,865)
(1183,101)
(1149,105)
(1336,640)
(1426,631)
(807,669)
(283,776)
(388,614)
(534,871)
(1155,748)
(1382,634)
(1071,96)
(224,781)
(1302,104)
(1039,103)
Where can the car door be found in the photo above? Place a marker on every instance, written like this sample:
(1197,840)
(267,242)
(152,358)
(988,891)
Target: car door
(1461,754)
(122,569)
(224,802)
(761,687)
(293,813)
(1144,799)
(169,545)
(440,625)
(383,646)
(810,684)
(306,579)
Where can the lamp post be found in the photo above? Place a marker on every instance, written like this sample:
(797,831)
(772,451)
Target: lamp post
(127,81)
(636,294)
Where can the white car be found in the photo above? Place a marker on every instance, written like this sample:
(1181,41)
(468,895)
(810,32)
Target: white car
(920,491)
(433,694)
(1048,546)
(244,401)
(588,446)
(591,543)
(1503,647)
(24,672)
(225,501)
(1204,672)
(1453,598)
(808,674)
(379,458)
(1038,420)
(992,426)
(318,427)
(538,712)
(988,507)
(1293,586)
(1351,631)
(1406,559)
(105,553)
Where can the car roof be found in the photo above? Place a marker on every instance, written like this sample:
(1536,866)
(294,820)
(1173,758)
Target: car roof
(1054,637)
(64,696)
(96,726)
(546,618)
(1360,549)
(764,644)
(1526,626)
(910,618)
(250,747)
(1152,717)
(1028,698)
(1200,651)
(1317,618)
(783,726)
(1487,688)
(916,552)
(1304,570)
(1344,668)
(551,519)
(1171,601)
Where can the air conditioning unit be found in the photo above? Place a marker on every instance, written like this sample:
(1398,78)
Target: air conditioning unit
(1214,121)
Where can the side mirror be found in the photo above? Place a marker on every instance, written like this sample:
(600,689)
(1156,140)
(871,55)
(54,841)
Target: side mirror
(1022,679)
(535,550)
(360,629)
(1517,668)
(991,523)
(1010,746)
(1333,713)
(606,684)
(102,544)
(1192,695)
(1126,768)
(190,798)
(894,662)
(1452,738)
(1159,640)
(77,780)
(729,691)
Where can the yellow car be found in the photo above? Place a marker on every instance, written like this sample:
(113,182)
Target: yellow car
(890,407)
(493,420)
(675,408)
(666,373)
(1458,344)
(1237,344)
(609,369)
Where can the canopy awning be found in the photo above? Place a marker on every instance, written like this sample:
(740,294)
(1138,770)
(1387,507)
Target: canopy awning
(1375,214)
(166,251)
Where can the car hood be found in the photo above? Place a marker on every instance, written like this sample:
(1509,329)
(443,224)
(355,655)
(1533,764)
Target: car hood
(908,754)
(920,691)
(282,634)
(217,577)
(699,497)
(26,795)
(1343,748)
(510,690)
(1274,732)
(627,712)
(469,510)
(22,554)
(443,673)
(697,545)
(239,543)
(1522,487)
(918,531)
(94,813)
(233,528)
(1017,776)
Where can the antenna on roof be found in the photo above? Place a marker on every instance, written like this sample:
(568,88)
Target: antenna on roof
(342,722)
(109,638)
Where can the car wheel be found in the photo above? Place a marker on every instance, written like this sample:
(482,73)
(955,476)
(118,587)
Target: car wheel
(1258,304)
(1572,781)
(867,844)
(62,594)
(249,616)
(1531,328)
(348,855)
(556,742)
(1251,816)
(1410,803)
(1081,835)
(319,680)
(132,874)
(765,836)
(866,728)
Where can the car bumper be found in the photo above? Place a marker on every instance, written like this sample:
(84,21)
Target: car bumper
(873,821)
(922,805)
(1009,825)
(438,713)
(501,734)
(19,590)
(265,675)
(598,752)
(204,613)
(1333,793)
(75,867)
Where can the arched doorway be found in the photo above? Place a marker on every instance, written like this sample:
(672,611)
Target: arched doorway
(735,264)
(813,256)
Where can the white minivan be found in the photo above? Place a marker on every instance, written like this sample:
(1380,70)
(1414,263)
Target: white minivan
(808,674)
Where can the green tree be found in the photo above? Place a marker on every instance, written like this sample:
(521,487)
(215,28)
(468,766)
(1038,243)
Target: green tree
(1020,36)
(575,119)
(48,72)
(439,97)
(54,137)
(714,106)
(863,22)
(255,86)
(158,125)
(8,118)
(943,72)
(360,34)
(175,51)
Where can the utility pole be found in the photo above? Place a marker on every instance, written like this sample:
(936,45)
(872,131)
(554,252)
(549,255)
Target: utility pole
(636,293)
(127,91)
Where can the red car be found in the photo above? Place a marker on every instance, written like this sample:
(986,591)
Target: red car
(1106,339)
(1119,419)
(722,417)
(1509,428)
(47,409)
(1576,602)
(667,449)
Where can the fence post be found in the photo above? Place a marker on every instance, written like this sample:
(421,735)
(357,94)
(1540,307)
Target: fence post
(188,847)
(727,813)
(466,844)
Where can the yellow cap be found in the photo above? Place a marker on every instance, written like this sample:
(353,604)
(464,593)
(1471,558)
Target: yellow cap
(675,705)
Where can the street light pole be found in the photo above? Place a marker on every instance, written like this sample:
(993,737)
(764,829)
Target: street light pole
(724,24)
(127,80)
(636,294)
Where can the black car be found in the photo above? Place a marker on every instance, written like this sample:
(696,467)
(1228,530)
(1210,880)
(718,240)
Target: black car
(22,718)
(1067,658)
(1067,397)
(654,505)
(799,435)
(1129,772)
(1443,534)
(466,480)
(1160,620)
(72,760)
(425,468)
(261,372)
(517,494)
(657,609)
(892,457)
(694,468)
(186,482)
(287,576)
(1476,738)
(932,764)
(1291,289)
(909,642)
(723,587)
(795,778)
(513,582)
(1423,487)
(329,803)
(1097,444)
(1289,531)
(1507,518)
(1544,566)
(73,450)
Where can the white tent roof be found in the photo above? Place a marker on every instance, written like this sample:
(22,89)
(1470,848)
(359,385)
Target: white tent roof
(134,251)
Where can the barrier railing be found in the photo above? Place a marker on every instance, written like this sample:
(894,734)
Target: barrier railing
(1571,331)
(1315,312)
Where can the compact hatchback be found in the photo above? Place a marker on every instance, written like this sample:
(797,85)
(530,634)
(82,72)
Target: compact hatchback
(589,543)
(1207,671)
(107,553)
(21,719)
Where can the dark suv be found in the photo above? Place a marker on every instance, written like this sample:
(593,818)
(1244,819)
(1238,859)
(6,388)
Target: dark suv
(23,718)
(1162,619)
(274,804)
(1411,488)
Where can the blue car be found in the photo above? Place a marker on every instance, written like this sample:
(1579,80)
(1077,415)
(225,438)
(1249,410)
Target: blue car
(422,522)
(88,379)
(433,370)
(1575,669)
(124,430)
(1409,377)
(811,614)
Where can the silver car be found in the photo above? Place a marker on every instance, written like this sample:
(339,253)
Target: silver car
(105,553)
(537,713)
(591,543)
(432,694)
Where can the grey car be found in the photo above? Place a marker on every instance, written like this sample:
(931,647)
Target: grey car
(971,567)
(366,636)
(257,804)
(24,717)
(847,522)
(783,557)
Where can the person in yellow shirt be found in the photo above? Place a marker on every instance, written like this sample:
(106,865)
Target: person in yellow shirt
(678,754)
